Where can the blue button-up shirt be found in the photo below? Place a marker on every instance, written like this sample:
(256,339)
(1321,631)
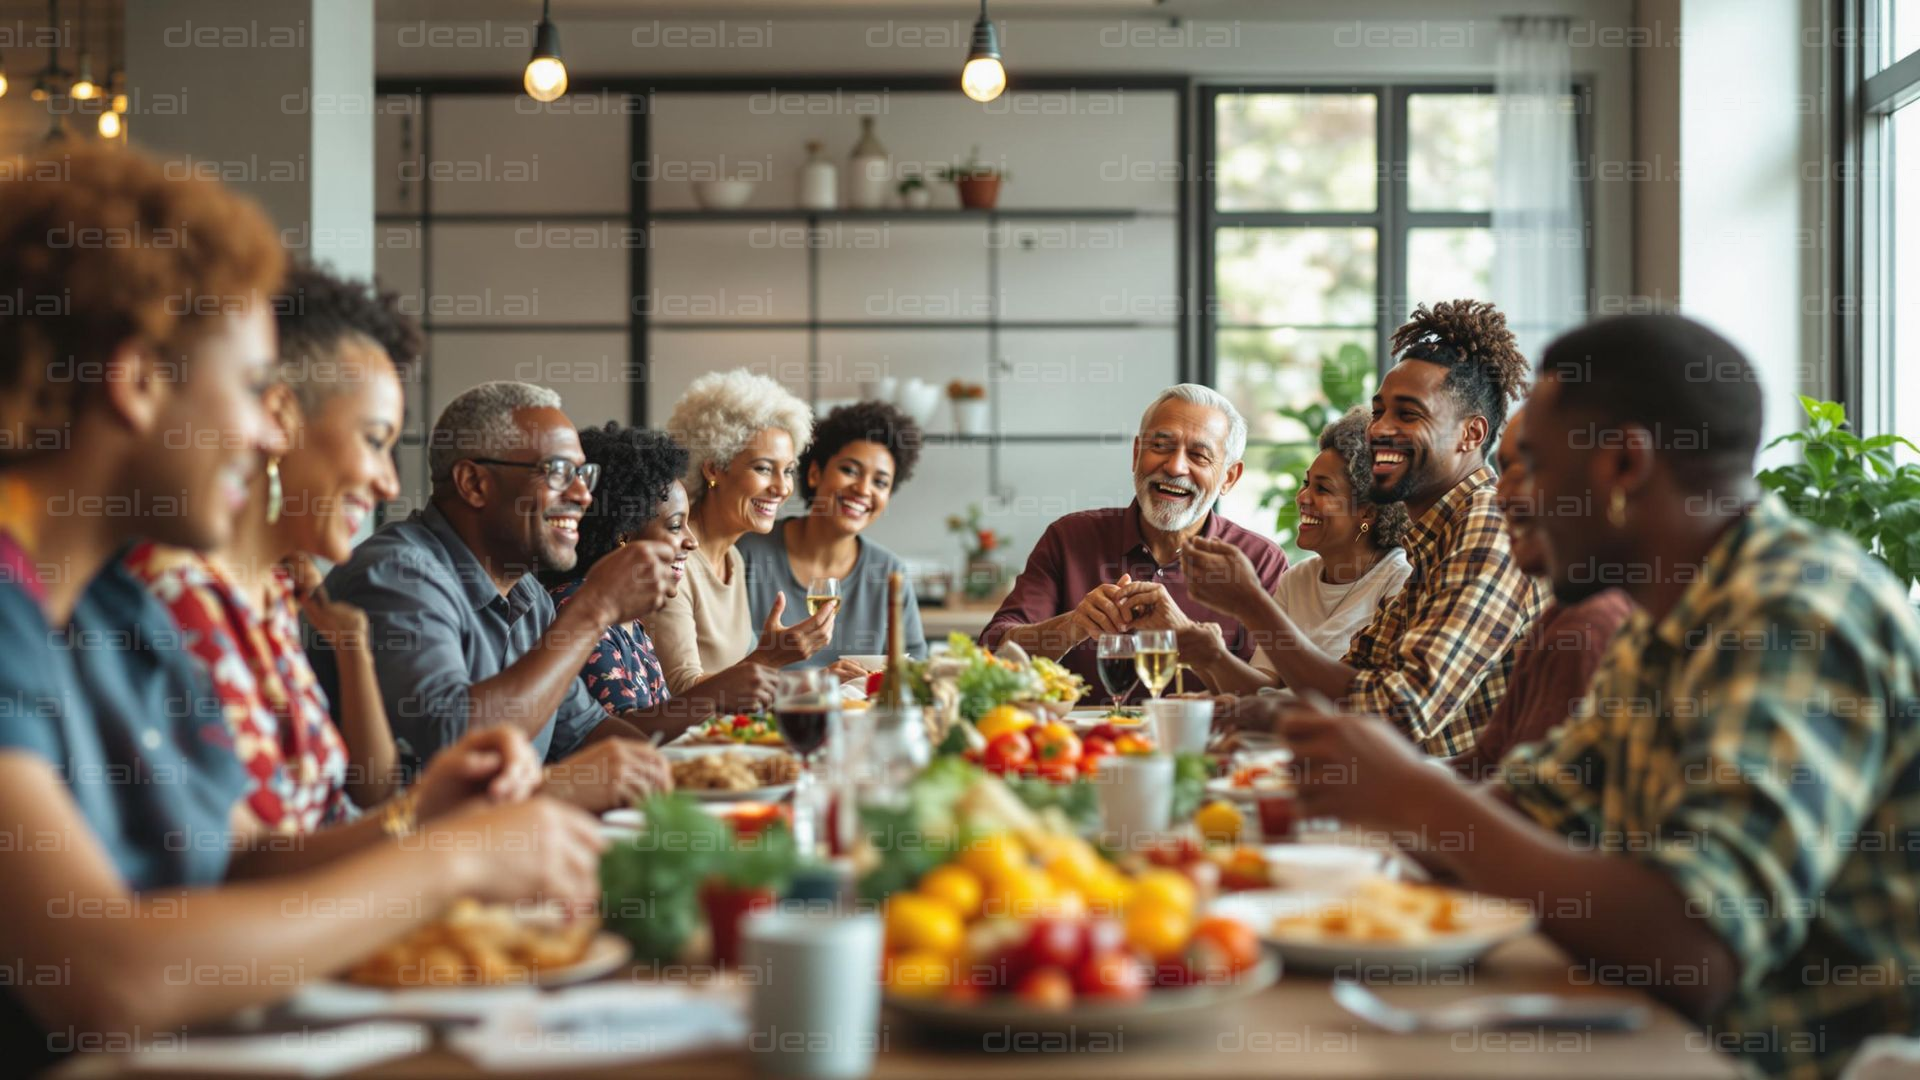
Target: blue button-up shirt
(439,625)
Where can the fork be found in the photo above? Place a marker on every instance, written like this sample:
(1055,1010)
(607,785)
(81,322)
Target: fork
(1554,1011)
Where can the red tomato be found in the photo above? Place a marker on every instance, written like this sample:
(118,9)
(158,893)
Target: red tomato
(1109,732)
(1095,746)
(1051,943)
(873,683)
(1112,976)
(1222,948)
(742,720)
(1100,936)
(1048,989)
(1060,772)
(1008,752)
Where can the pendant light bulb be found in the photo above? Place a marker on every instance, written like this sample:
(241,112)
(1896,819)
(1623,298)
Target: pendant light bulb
(110,126)
(546,77)
(985,76)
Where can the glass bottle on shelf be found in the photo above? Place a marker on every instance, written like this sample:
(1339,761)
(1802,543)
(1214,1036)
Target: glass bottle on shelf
(870,173)
(819,180)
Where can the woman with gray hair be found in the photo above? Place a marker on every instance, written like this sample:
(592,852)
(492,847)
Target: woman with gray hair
(744,433)
(1356,561)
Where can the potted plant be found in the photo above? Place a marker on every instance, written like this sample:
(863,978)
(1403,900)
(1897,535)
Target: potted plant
(977,181)
(1854,485)
(915,194)
(984,576)
(971,415)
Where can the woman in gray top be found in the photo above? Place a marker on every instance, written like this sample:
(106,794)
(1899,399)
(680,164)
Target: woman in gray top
(859,457)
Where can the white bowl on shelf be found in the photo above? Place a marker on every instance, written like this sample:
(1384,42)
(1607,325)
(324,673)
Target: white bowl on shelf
(722,194)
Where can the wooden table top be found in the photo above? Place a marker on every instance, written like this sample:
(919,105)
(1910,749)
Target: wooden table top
(1292,1029)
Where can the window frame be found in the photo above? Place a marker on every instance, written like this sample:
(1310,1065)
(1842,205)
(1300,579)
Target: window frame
(1391,215)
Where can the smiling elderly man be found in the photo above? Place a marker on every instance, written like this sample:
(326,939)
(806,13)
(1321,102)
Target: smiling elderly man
(1093,570)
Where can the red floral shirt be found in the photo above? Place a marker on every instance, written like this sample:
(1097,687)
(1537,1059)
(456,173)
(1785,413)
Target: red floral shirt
(282,731)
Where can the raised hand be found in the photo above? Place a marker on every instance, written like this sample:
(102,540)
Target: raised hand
(1099,613)
(783,645)
(1359,769)
(1220,576)
(633,581)
(339,625)
(1148,606)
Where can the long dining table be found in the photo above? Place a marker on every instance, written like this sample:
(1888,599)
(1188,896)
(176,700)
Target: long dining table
(1294,1028)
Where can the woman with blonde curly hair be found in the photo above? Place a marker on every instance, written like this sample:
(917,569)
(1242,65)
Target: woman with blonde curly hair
(744,434)
(1355,561)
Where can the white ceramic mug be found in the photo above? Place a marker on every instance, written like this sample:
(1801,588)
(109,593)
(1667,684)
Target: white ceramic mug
(815,1002)
(1136,797)
(1181,725)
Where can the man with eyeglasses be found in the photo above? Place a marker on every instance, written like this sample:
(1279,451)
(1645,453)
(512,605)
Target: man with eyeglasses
(462,632)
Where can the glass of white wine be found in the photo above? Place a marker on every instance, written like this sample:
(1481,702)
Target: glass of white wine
(1154,657)
(821,591)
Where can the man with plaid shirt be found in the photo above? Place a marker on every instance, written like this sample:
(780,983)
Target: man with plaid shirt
(1730,816)
(1436,656)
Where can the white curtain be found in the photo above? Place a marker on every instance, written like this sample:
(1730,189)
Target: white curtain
(1540,243)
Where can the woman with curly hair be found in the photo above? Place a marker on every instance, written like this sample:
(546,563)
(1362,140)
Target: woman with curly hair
(1436,656)
(743,433)
(641,497)
(860,456)
(1355,561)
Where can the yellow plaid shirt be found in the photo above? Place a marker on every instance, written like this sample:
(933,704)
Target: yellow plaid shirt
(1436,657)
(1761,746)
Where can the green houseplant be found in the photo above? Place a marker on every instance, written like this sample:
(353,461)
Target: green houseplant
(1854,485)
(1346,380)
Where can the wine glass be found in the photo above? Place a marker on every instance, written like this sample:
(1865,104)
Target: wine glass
(806,707)
(1117,672)
(821,591)
(1154,656)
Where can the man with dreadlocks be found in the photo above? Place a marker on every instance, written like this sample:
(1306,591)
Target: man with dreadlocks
(1436,656)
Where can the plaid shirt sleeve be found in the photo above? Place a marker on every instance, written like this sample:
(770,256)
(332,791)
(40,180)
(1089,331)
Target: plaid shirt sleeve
(1455,625)
(1747,785)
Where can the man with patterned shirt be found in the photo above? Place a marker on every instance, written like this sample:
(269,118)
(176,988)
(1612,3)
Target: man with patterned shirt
(1435,658)
(1728,817)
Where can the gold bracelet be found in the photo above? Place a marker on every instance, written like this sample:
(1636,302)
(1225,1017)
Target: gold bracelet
(400,818)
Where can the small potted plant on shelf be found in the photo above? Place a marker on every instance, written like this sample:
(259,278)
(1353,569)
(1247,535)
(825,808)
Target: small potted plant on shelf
(970,413)
(984,577)
(977,181)
(915,194)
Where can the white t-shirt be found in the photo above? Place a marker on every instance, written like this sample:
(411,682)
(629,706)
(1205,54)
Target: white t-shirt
(1328,614)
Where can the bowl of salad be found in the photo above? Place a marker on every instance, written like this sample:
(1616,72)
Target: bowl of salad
(1060,689)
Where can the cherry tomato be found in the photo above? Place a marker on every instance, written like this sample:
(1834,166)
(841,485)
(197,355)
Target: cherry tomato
(1113,976)
(1100,936)
(1008,752)
(1222,948)
(742,720)
(1046,988)
(1051,943)
(1060,772)
(1094,746)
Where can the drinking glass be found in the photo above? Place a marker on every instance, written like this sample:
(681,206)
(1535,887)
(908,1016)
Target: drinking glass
(806,706)
(1117,672)
(820,592)
(1154,657)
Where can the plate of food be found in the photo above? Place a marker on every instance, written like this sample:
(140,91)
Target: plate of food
(1379,921)
(1253,782)
(476,944)
(1060,689)
(737,729)
(733,773)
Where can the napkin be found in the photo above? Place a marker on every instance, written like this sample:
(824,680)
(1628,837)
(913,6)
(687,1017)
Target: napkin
(334,1001)
(603,1024)
(327,1052)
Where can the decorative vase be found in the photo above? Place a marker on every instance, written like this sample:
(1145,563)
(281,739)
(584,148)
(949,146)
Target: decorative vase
(819,181)
(918,398)
(870,173)
(971,416)
(978,192)
(983,580)
(918,198)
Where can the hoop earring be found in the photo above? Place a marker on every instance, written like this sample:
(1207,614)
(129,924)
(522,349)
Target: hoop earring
(274,501)
(1617,508)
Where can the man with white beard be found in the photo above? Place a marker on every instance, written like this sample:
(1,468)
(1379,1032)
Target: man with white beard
(1105,571)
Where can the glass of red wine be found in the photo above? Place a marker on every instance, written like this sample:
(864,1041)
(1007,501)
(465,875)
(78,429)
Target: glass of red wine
(1118,673)
(806,707)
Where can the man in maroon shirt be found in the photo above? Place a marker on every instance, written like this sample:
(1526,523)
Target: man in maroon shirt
(1553,664)
(1113,570)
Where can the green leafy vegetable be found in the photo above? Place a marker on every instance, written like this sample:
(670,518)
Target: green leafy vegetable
(1077,802)
(651,882)
(1190,775)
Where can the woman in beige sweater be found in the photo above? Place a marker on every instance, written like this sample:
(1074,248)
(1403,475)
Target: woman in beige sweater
(745,433)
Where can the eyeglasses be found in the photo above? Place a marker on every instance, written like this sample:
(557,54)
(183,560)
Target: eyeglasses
(558,470)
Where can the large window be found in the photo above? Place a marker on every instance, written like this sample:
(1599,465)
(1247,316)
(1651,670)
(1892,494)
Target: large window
(1887,396)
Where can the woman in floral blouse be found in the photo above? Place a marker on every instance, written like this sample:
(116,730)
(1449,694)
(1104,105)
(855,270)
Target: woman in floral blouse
(640,497)
(338,401)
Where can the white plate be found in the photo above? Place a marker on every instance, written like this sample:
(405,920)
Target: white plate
(1501,922)
(607,952)
(684,751)
(761,794)
(1323,866)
